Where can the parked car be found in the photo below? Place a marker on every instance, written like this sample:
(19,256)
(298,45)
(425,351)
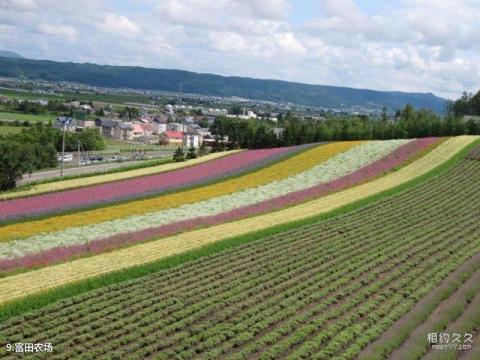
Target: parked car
(118,158)
(95,159)
(85,162)
(66,158)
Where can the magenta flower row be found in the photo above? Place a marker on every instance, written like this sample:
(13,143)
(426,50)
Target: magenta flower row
(141,186)
(396,158)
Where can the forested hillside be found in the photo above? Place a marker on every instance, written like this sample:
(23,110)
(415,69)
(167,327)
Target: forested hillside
(215,85)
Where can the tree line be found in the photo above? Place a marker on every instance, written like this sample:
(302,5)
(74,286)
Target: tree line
(35,108)
(36,148)
(468,104)
(291,130)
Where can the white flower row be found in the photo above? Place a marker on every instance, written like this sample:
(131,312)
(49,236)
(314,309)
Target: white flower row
(335,167)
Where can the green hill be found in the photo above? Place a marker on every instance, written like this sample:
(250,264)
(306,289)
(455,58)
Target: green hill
(215,85)
(10,54)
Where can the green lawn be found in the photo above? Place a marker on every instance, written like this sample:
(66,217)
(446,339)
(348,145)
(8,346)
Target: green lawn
(7,130)
(9,116)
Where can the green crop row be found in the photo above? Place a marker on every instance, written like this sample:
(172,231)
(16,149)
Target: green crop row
(324,290)
(41,299)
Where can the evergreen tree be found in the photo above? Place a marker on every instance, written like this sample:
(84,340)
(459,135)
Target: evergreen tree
(191,154)
(384,114)
(179,155)
(203,150)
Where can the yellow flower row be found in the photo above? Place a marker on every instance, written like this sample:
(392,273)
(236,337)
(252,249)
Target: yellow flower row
(100,179)
(29,283)
(278,171)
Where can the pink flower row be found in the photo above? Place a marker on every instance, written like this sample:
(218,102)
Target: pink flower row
(396,158)
(146,185)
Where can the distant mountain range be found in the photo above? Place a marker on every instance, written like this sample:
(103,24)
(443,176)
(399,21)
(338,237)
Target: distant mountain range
(10,54)
(214,85)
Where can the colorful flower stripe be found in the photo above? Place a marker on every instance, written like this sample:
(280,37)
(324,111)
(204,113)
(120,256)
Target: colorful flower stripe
(296,164)
(335,167)
(143,186)
(24,284)
(106,178)
(387,163)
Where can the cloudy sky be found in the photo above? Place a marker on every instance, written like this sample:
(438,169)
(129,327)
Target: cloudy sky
(408,45)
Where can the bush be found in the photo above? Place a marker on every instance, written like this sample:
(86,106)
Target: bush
(179,155)
(203,150)
(191,154)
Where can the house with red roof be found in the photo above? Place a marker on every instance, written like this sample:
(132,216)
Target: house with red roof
(171,137)
(145,130)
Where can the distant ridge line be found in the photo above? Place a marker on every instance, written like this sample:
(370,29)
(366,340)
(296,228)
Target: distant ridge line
(279,91)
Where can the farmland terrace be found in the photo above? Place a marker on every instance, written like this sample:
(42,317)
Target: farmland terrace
(329,251)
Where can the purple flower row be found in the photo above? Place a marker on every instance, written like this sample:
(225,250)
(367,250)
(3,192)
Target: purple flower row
(108,193)
(396,158)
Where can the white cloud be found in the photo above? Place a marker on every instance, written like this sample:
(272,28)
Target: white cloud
(228,42)
(67,32)
(201,13)
(18,5)
(414,45)
(119,25)
(261,9)
(288,43)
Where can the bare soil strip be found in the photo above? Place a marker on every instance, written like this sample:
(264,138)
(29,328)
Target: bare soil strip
(418,314)
(468,322)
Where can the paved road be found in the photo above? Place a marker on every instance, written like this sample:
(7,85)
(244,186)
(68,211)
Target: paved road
(42,175)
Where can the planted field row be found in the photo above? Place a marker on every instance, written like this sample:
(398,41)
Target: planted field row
(409,334)
(279,171)
(456,314)
(105,178)
(17,286)
(129,189)
(321,291)
(219,267)
(268,197)
(475,154)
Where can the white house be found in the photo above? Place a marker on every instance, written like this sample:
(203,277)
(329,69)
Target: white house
(192,138)
(159,126)
(169,109)
(248,115)
(87,108)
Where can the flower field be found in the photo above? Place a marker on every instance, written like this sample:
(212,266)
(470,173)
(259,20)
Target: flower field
(293,165)
(99,179)
(346,286)
(300,281)
(141,186)
(338,172)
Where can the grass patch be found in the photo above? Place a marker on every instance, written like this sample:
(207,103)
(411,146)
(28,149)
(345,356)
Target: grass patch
(10,130)
(41,299)
(11,116)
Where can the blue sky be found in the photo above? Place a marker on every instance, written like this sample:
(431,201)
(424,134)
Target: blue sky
(408,45)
